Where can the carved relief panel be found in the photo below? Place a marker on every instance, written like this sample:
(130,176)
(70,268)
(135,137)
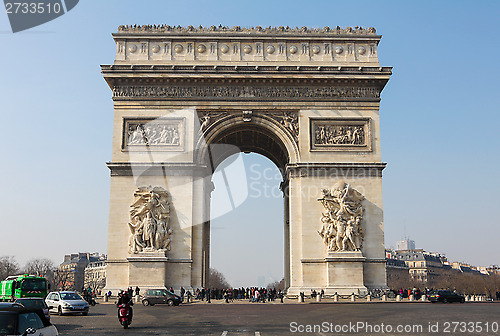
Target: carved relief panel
(156,134)
(341,134)
(288,120)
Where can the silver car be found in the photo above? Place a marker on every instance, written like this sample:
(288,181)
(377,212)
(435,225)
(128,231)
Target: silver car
(67,302)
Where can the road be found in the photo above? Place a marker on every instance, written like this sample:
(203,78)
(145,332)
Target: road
(266,319)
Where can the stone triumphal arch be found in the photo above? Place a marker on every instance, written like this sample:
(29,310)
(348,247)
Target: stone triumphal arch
(185,99)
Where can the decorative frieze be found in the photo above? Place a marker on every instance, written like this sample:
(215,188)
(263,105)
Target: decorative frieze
(166,29)
(180,51)
(340,134)
(245,92)
(163,134)
(222,44)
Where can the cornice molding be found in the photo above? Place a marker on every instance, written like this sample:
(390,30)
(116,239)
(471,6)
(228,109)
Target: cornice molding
(265,69)
(334,170)
(157,169)
(237,30)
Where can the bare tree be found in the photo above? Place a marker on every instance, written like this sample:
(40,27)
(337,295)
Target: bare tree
(278,285)
(218,280)
(95,284)
(39,267)
(64,279)
(95,280)
(8,266)
(42,267)
(398,279)
(467,283)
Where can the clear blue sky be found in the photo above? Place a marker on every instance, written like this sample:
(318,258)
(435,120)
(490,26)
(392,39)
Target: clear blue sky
(439,120)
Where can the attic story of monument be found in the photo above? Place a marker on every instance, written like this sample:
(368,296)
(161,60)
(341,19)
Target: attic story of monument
(185,99)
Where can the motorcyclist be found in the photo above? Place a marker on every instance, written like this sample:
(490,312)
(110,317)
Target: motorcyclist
(124,298)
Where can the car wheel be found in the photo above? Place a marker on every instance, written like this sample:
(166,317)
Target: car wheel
(146,302)
(445,300)
(170,302)
(59,311)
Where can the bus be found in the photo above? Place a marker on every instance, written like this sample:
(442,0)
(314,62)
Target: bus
(20,286)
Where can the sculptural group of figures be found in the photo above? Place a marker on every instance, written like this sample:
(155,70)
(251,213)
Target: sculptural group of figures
(341,230)
(154,134)
(291,122)
(149,225)
(339,135)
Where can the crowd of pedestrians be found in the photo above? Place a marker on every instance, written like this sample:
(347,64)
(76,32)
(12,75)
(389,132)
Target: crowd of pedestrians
(416,292)
(251,294)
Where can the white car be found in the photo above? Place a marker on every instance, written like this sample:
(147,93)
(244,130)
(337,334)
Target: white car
(16,319)
(67,302)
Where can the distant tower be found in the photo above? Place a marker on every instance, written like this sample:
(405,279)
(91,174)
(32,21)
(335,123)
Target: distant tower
(406,244)
(261,281)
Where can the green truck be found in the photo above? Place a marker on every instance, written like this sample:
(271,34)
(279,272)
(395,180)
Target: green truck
(20,286)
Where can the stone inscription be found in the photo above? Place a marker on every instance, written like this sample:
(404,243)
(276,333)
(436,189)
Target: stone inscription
(244,92)
(152,133)
(341,230)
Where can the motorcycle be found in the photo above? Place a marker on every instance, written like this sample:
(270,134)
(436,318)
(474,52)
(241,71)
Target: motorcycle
(91,301)
(125,315)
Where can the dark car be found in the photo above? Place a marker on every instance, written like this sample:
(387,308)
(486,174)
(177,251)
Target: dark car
(445,296)
(35,303)
(160,296)
(16,319)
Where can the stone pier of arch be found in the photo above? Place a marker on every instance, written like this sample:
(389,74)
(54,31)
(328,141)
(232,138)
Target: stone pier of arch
(187,98)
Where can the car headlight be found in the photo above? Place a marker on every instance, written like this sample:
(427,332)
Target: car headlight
(65,304)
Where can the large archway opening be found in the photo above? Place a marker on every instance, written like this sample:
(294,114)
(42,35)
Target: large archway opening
(249,233)
(246,229)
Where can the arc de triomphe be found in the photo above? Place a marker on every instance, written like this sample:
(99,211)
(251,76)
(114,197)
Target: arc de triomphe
(185,99)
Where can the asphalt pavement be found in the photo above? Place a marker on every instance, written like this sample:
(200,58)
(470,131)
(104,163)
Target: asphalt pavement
(265,319)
